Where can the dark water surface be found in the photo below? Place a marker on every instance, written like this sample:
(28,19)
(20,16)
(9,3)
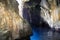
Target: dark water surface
(44,34)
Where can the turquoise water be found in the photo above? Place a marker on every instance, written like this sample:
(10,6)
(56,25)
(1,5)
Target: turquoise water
(44,34)
(37,34)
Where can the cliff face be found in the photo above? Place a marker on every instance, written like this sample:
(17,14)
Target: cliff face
(10,21)
(9,18)
(51,15)
(55,13)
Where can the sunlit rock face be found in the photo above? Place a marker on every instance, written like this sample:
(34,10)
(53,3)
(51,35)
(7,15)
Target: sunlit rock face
(9,19)
(45,13)
(11,22)
(51,13)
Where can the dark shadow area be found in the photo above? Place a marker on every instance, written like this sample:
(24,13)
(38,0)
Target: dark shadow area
(32,14)
(35,15)
(24,38)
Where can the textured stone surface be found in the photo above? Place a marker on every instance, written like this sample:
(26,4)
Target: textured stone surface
(10,21)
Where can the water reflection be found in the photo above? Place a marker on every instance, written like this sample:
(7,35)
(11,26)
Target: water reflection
(44,34)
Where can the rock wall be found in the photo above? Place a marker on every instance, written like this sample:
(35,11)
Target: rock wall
(51,13)
(10,21)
